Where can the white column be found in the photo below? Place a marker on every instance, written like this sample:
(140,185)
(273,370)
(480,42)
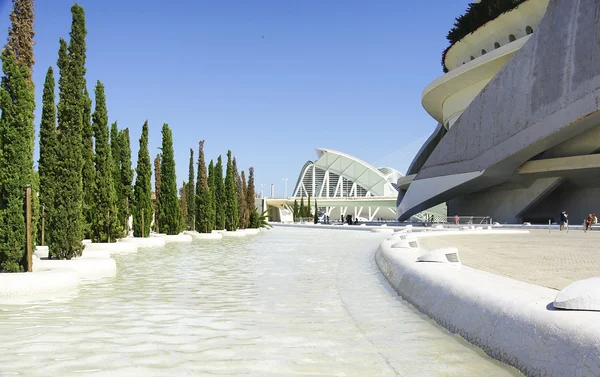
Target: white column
(313,182)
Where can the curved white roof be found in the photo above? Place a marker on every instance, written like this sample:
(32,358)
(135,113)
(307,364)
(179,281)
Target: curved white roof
(377,181)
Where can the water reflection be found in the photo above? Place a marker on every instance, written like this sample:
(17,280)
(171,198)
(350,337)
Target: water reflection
(285,303)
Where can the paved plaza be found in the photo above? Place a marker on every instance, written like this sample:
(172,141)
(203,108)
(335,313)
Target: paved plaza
(552,260)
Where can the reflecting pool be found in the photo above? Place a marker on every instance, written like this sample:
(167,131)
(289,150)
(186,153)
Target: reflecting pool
(287,302)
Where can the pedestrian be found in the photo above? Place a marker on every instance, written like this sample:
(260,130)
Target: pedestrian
(456,219)
(588,222)
(564,219)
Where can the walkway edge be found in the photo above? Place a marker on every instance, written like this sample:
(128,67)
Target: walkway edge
(511,321)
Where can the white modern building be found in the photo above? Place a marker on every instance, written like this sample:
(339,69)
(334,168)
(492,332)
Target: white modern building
(343,185)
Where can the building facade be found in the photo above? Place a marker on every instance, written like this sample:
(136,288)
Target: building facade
(518,118)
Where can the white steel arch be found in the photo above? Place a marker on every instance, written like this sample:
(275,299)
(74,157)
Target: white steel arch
(337,174)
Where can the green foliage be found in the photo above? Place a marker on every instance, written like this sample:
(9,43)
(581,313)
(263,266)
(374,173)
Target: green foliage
(156,192)
(203,199)
(125,179)
(67,222)
(296,213)
(316,216)
(308,208)
(20,35)
(105,224)
(242,200)
(231,200)
(213,194)
(476,15)
(250,195)
(115,165)
(47,164)
(190,194)
(302,208)
(183,200)
(220,198)
(142,191)
(240,187)
(259,220)
(88,173)
(17,102)
(35,208)
(169,210)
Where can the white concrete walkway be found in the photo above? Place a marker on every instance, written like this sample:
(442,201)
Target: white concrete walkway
(552,260)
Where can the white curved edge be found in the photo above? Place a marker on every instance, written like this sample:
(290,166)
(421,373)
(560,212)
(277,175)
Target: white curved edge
(18,287)
(510,320)
(111,248)
(236,234)
(382,230)
(86,268)
(144,241)
(204,236)
(173,238)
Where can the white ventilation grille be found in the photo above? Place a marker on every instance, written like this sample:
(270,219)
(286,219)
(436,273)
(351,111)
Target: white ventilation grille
(446,255)
(406,244)
(452,257)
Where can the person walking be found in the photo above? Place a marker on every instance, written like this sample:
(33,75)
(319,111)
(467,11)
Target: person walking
(456,219)
(564,218)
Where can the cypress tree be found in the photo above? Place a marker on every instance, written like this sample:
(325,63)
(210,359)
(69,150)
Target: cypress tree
(17,101)
(35,208)
(213,195)
(126,178)
(302,209)
(16,140)
(115,164)
(105,225)
(88,173)
(220,199)
(203,196)
(115,171)
(67,223)
(169,210)
(308,208)
(250,198)
(316,217)
(242,200)
(142,191)
(190,205)
(231,201)
(241,196)
(296,213)
(47,164)
(156,191)
(183,193)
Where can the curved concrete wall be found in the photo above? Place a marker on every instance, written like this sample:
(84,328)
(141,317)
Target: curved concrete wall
(510,320)
(426,150)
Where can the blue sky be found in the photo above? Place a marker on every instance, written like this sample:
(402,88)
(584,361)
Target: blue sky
(341,75)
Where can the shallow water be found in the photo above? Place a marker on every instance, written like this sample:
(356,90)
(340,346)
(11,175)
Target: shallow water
(288,302)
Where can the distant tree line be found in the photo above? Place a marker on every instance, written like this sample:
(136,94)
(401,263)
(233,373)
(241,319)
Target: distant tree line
(219,203)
